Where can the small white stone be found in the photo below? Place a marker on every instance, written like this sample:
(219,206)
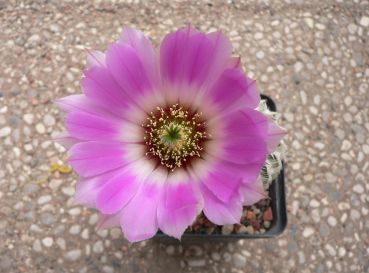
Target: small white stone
(85,234)
(5,131)
(314,203)
(298,67)
(331,250)
(358,188)
(47,241)
(44,199)
(28,118)
(354,215)
(98,247)
(320,26)
(309,22)
(49,120)
(75,229)
(346,145)
(332,221)
(364,21)
(303,97)
(40,128)
(308,231)
(73,255)
(352,28)
(260,54)
(74,211)
(170,250)
(258,35)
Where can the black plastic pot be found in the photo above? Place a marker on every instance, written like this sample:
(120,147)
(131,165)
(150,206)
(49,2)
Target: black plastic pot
(278,205)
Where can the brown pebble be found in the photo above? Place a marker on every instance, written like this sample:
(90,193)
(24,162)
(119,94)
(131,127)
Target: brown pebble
(250,215)
(268,215)
(255,224)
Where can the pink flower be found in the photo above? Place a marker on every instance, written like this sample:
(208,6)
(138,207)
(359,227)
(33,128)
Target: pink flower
(157,137)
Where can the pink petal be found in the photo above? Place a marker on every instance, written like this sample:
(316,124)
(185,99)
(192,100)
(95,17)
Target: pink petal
(66,140)
(86,126)
(221,182)
(252,192)
(139,221)
(127,69)
(95,58)
(109,220)
(88,188)
(177,208)
(96,157)
(144,49)
(275,135)
(100,86)
(234,90)
(221,213)
(188,56)
(117,192)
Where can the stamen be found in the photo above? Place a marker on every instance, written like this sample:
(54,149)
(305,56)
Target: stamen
(174,135)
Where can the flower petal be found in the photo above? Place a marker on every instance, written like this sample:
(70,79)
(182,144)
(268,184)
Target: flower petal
(86,126)
(100,86)
(252,192)
(127,69)
(96,157)
(191,57)
(88,188)
(144,50)
(139,217)
(95,58)
(178,207)
(117,192)
(275,135)
(234,90)
(221,213)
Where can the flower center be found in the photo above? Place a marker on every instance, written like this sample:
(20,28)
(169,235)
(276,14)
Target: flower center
(174,135)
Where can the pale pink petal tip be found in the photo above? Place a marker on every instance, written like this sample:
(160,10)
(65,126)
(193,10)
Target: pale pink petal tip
(95,58)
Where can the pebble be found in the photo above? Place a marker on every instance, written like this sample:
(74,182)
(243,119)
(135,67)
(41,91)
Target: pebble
(47,241)
(227,229)
(98,247)
(324,230)
(364,21)
(74,211)
(239,260)
(332,221)
(196,262)
(40,128)
(215,256)
(298,67)
(75,229)
(308,231)
(309,22)
(85,234)
(47,218)
(170,250)
(73,255)
(49,120)
(37,246)
(115,233)
(28,118)
(61,243)
(43,199)
(5,131)
(358,188)
(354,215)
(314,203)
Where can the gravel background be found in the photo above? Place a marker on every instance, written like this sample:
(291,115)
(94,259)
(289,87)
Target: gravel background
(311,57)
